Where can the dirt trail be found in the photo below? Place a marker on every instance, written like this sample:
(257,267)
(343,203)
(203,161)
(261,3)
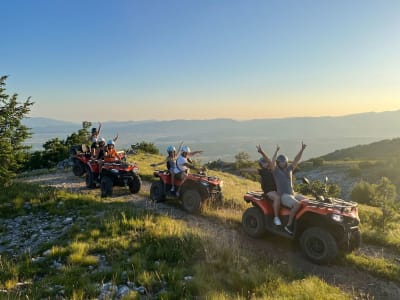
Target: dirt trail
(275,249)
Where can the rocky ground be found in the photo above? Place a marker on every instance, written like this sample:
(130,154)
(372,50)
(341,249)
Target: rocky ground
(17,237)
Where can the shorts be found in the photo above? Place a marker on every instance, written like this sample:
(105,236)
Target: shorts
(180,175)
(290,200)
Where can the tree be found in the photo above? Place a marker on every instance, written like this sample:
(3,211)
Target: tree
(242,160)
(384,198)
(12,133)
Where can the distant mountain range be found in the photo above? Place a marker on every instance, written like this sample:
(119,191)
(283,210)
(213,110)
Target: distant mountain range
(223,138)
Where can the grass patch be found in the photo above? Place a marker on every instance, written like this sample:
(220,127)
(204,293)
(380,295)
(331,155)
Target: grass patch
(379,267)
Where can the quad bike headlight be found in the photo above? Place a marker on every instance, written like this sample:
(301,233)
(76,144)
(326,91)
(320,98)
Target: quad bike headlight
(337,218)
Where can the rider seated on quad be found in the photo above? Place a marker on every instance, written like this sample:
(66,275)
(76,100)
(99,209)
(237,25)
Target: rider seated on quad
(101,150)
(184,164)
(171,163)
(269,188)
(111,154)
(283,171)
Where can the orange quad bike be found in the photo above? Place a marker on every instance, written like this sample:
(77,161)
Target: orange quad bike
(194,192)
(79,156)
(324,226)
(113,173)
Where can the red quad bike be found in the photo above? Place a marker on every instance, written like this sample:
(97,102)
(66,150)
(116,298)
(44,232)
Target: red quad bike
(79,156)
(323,226)
(196,190)
(117,173)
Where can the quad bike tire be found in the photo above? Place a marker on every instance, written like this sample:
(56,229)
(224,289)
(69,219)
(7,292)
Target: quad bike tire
(355,242)
(134,184)
(191,200)
(90,183)
(106,186)
(157,193)
(78,168)
(253,222)
(318,245)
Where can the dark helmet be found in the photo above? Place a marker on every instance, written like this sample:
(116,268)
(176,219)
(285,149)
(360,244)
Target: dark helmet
(282,160)
(94,130)
(262,162)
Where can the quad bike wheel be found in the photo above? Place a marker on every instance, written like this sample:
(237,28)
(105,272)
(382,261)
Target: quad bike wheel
(78,168)
(253,222)
(191,201)
(157,193)
(134,184)
(90,183)
(106,186)
(355,241)
(318,245)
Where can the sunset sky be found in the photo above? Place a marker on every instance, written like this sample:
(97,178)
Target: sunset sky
(160,59)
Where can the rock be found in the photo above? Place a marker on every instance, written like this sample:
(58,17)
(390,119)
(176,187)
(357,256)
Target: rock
(141,290)
(67,221)
(122,291)
(47,252)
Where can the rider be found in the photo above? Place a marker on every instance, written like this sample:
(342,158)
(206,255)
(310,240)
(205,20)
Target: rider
(100,153)
(268,184)
(183,163)
(283,171)
(111,154)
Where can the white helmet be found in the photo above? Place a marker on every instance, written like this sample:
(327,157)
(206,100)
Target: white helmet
(171,149)
(102,140)
(185,149)
(110,142)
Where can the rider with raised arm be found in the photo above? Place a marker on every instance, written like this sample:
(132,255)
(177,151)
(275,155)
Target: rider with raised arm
(266,171)
(283,172)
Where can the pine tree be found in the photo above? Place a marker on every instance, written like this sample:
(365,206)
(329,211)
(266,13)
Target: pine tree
(12,133)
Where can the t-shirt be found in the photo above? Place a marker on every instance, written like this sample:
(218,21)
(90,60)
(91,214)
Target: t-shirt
(267,180)
(171,164)
(283,180)
(101,153)
(180,164)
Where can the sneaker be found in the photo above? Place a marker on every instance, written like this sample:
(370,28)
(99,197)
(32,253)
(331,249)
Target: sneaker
(277,221)
(289,229)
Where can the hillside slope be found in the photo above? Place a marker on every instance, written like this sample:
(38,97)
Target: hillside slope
(382,150)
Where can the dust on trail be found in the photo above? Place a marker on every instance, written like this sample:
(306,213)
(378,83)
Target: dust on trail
(360,284)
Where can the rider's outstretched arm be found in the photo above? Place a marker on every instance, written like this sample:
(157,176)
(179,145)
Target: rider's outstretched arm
(267,159)
(274,157)
(298,156)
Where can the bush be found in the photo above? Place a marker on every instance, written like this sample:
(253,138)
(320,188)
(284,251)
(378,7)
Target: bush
(363,192)
(144,147)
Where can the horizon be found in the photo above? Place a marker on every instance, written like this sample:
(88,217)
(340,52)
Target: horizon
(102,60)
(211,119)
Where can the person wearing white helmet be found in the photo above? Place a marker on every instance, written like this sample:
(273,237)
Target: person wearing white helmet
(183,163)
(111,154)
(170,160)
(283,172)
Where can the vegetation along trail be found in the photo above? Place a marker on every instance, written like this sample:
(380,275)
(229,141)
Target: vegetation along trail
(277,251)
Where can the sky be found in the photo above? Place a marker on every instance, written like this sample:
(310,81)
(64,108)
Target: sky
(161,60)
